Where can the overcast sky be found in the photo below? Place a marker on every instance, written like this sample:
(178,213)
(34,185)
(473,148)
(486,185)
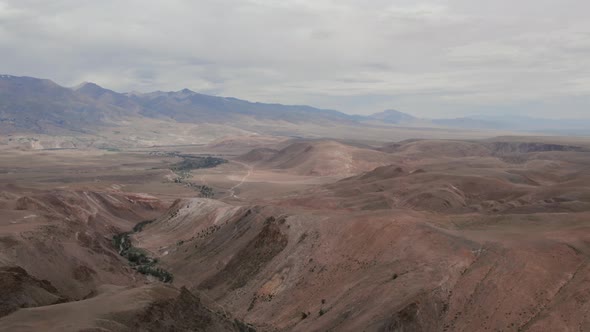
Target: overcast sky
(428,58)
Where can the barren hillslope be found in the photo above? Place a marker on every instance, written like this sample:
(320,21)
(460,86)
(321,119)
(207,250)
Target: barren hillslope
(58,260)
(315,270)
(147,308)
(461,177)
(272,268)
(64,238)
(319,158)
(419,235)
(238,144)
(475,238)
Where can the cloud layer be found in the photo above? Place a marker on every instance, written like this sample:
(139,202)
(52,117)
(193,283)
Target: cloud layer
(430,58)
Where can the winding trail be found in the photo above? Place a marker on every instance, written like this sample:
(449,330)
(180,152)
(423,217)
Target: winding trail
(232,190)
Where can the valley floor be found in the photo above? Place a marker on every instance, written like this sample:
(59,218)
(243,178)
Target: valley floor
(298,235)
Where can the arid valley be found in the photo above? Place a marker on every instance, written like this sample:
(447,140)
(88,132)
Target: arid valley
(294,166)
(271,233)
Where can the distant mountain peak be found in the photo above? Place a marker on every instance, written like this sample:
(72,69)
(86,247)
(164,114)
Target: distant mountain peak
(393,116)
(395,112)
(87,85)
(185,90)
(392,111)
(43,106)
(93,90)
(180,93)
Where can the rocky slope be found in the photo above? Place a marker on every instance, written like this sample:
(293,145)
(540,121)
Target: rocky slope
(437,236)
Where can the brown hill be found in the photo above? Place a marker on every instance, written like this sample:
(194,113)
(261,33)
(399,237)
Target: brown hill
(490,147)
(148,308)
(65,237)
(440,148)
(473,239)
(463,177)
(239,144)
(21,290)
(297,273)
(319,158)
(376,270)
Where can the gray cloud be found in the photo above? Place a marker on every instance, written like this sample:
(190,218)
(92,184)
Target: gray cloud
(430,58)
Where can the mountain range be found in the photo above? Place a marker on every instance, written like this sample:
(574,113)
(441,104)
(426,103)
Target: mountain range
(40,106)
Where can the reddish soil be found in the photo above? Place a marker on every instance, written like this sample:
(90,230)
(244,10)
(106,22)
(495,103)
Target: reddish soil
(420,235)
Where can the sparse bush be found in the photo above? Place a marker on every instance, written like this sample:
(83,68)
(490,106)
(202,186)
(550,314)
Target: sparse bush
(157,272)
(243,327)
(139,227)
(191,162)
(206,191)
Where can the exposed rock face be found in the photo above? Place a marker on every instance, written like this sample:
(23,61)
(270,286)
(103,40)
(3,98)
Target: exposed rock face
(252,258)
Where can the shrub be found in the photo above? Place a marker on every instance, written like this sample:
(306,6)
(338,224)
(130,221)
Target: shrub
(138,258)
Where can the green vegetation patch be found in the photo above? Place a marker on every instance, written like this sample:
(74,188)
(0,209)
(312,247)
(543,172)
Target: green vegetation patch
(139,227)
(190,162)
(138,258)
